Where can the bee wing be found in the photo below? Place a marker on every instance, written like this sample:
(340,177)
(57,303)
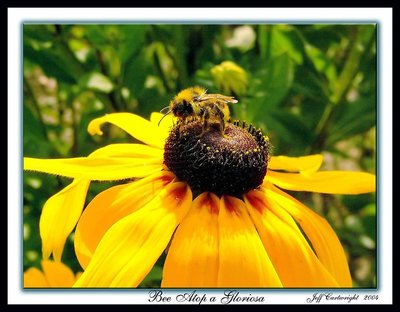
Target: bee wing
(219,97)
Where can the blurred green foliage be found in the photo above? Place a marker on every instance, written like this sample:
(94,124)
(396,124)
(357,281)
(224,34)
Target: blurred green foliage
(311,88)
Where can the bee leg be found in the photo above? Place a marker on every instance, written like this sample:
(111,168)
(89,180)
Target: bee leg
(221,117)
(181,124)
(206,116)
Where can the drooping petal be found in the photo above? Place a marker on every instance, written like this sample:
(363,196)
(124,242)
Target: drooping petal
(243,261)
(136,126)
(112,205)
(129,249)
(165,125)
(322,237)
(34,278)
(58,274)
(192,259)
(96,168)
(296,164)
(329,182)
(60,215)
(291,255)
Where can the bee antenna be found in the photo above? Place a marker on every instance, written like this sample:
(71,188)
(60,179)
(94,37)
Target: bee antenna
(165,110)
(169,111)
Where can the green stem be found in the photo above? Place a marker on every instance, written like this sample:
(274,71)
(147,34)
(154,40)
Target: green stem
(343,84)
(154,37)
(111,96)
(160,72)
(350,68)
(180,55)
(264,41)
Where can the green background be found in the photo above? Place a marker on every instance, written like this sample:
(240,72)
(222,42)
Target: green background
(311,88)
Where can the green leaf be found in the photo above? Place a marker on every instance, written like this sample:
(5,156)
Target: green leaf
(291,128)
(97,82)
(355,118)
(54,57)
(264,40)
(204,78)
(270,86)
(125,39)
(38,32)
(323,36)
(354,223)
(135,73)
(35,140)
(51,63)
(152,279)
(369,220)
(311,111)
(285,40)
(98,35)
(131,40)
(356,203)
(308,83)
(321,62)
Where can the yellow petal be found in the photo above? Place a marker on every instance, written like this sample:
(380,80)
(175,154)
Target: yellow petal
(129,150)
(78,275)
(330,182)
(322,237)
(58,274)
(243,261)
(96,168)
(60,215)
(291,255)
(34,278)
(192,259)
(165,125)
(112,205)
(136,126)
(129,249)
(305,163)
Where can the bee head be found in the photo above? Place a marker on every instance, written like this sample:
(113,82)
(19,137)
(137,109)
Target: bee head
(181,108)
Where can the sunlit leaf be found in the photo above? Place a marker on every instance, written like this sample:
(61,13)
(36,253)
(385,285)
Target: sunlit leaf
(285,40)
(98,82)
(52,55)
(51,63)
(97,35)
(321,62)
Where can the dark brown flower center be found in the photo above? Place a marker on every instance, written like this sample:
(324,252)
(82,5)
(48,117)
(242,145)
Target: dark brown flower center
(231,164)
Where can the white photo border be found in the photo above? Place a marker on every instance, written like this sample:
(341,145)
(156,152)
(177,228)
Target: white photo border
(381,16)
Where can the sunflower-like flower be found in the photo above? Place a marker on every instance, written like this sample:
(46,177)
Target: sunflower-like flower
(214,203)
(54,275)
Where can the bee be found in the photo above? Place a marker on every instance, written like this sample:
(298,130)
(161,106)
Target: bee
(196,103)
